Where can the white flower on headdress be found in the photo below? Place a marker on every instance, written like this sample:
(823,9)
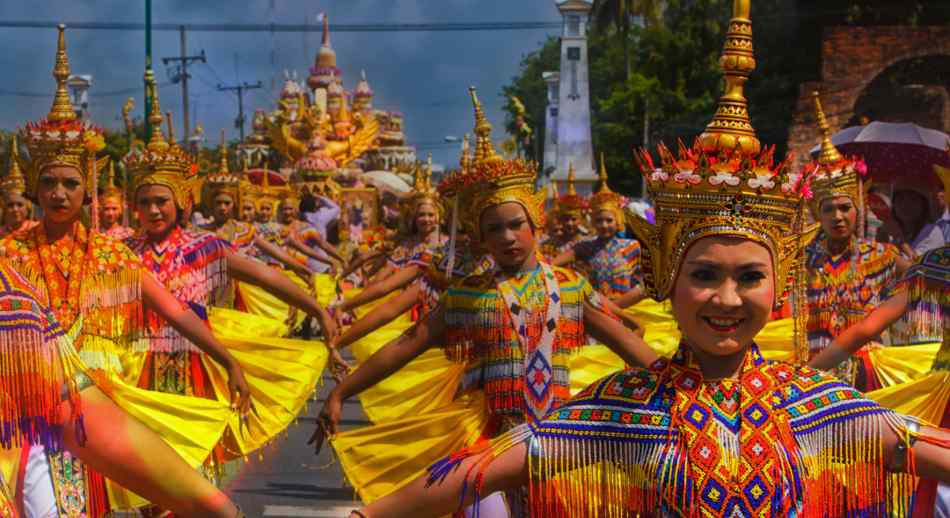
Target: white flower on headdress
(788,186)
(687,177)
(658,175)
(762,181)
(724,177)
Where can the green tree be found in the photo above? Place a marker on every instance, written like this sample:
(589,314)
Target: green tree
(533,92)
(619,15)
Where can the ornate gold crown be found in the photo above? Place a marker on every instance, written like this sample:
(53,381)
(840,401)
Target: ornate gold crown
(422,192)
(61,138)
(725,185)
(605,199)
(14,182)
(490,180)
(223,180)
(572,203)
(832,174)
(162,162)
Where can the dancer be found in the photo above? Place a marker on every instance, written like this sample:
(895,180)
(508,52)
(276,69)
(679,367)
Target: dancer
(17,209)
(612,263)
(94,285)
(845,273)
(111,207)
(571,210)
(514,326)
(717,430)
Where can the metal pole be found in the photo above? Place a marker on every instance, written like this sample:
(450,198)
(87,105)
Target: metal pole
(184,83)
(240,91)
(148,65)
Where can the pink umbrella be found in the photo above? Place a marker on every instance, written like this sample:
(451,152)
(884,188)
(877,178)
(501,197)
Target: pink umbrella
(896,152)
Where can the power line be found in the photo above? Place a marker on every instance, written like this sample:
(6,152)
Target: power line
(289,27)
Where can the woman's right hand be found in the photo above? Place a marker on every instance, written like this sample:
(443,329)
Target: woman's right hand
(327,421)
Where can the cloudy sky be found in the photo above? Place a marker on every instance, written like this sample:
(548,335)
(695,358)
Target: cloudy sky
(423,74)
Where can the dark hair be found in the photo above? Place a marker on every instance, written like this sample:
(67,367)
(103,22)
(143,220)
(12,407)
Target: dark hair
(924,213)
(308,203)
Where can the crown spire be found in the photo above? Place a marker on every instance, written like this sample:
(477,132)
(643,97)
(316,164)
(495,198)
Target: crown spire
(571,190)
(110,175)
(464,159)
(14,181)
(223,156)
(602,176)
(156,142)
(828,153)
(731,129)
(326,30)
(62,109)
(172,141)
(484,151)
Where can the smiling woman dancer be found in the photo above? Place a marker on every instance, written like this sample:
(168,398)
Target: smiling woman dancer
(717,430)
(96,289)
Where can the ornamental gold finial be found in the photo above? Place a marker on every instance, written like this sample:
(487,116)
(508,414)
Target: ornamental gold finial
(172,141)
(15,179)
(62,109)
(571,190)
(156,142)
(110,176)
(731,129)
(484,150)
(464,159)
(126,111)
(326,30)
(602,176)
(223,156)
(828,154)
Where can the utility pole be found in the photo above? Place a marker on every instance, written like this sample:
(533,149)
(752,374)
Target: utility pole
(239,90)
(148,67)
(184,60)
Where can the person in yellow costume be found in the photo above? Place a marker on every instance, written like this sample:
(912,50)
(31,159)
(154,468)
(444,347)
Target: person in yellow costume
(111,208)
(17,210)
(198,268)
(97,290)
(571,211)
(716,431)
(513,326)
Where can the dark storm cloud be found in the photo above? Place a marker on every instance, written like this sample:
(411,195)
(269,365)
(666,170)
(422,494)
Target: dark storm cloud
(424,75)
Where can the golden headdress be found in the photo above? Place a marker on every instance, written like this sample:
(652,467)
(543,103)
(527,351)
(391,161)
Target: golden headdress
(832,174)
(725,185)
(14,182)
(61,138)
(422,192)
(606,199)
(491,180)
(223,181)
(572,203)
(162,162)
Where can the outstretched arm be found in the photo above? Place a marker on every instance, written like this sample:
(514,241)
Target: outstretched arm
(564,258)
(622,341)
(392,357)
(508,471)
(400,279)
(278,253)
(853,338)
(631,297)
(380,316)
(276,283)
(306,250)
(186,322)
(359,261)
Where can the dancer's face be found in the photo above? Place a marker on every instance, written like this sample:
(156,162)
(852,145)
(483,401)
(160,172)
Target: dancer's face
(223,207)
(265,212)
(838,217)
(248,211)
(723,294)
(110,211)
(507,234)
(60,193)
(156,210)
(569,224)
(287,213)
(16,209)
(427,218)
(605,221)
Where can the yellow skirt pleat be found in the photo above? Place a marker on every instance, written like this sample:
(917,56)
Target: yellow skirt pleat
(925,398)
(380,459)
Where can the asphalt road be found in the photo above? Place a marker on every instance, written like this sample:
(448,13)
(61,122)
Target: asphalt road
(288,480)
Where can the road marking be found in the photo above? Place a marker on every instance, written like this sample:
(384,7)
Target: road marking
(293,511)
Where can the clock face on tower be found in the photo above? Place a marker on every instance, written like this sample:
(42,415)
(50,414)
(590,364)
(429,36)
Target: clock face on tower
(574,53)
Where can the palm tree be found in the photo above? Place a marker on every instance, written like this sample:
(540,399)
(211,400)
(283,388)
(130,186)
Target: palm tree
(619,15)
